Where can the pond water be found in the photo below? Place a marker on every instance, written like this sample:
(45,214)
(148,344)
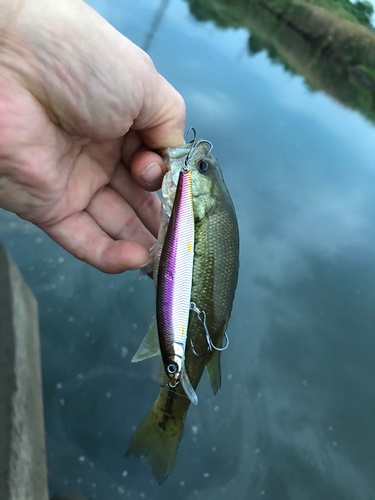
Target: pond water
(294,419)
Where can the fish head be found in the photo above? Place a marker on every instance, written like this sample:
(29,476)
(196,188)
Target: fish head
(208,184)
(207,179)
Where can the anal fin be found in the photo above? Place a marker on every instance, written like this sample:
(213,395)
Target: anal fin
(213,366)
(214,371)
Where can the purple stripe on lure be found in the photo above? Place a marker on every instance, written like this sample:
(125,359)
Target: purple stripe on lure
(175,279)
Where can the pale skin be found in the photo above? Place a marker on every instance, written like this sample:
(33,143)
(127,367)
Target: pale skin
(82,110)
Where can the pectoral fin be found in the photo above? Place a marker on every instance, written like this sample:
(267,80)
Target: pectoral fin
(150,345)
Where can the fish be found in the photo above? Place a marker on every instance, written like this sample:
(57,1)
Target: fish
(214,281)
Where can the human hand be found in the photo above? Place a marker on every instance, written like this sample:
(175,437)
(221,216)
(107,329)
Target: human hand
(81,107)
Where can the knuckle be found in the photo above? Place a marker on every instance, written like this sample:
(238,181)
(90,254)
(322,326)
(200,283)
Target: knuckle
(147,204)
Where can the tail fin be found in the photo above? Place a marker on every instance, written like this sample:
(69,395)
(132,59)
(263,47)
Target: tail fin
(157,439)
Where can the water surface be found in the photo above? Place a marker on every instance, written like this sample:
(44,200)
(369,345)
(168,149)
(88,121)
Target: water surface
(294,419)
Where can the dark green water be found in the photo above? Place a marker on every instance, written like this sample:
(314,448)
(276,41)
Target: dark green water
(294,419)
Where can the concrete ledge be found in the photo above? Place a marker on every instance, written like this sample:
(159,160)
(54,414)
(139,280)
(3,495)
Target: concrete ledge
(23,474)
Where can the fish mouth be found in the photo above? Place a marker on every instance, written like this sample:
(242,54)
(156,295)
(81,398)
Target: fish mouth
(185,152)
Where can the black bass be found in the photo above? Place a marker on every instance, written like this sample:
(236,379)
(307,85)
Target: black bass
(214,280)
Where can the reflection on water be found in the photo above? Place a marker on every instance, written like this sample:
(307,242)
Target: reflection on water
(294,418)
(332,44)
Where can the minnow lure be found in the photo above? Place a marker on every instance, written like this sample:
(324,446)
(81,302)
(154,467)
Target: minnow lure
(174,283)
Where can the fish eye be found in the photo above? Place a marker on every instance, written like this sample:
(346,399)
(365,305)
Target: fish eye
(203,165)
(172,368)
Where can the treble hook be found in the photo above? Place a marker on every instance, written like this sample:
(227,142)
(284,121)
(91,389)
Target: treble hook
(210,345)
(194,144)
(194,132)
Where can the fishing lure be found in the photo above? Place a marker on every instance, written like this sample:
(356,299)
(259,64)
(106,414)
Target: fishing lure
(174,283)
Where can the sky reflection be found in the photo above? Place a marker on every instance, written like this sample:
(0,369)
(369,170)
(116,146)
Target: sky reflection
(295,414)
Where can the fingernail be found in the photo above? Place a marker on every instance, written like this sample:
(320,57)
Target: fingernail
(152,173)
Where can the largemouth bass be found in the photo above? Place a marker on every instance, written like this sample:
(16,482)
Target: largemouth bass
(214,281)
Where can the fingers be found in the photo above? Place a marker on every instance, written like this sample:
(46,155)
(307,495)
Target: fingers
(161,120)
(114,215)
(132,143)
(148,170)
(147,167)
(80,235)
(146,205)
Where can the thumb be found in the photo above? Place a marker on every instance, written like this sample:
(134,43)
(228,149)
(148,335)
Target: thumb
(161,120)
